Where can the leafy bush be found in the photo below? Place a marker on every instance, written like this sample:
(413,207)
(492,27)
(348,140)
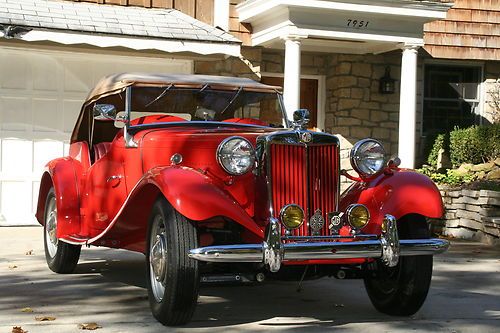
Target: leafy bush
(475,144)
(440,142)
(450,177)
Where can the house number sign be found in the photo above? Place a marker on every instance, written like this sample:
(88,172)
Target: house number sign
(358,24)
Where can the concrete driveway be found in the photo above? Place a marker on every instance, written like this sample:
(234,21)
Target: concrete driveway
(108,288)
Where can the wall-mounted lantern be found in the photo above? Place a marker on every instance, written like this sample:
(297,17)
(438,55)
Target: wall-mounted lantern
(387,83)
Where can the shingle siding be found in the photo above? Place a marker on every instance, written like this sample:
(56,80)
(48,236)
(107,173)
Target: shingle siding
(471,30)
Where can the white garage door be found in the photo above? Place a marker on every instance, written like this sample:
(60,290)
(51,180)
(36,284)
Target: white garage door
(41,93)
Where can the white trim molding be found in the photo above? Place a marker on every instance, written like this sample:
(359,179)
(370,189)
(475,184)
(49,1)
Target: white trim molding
(221,14)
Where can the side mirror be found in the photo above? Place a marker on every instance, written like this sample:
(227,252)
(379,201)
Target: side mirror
(104,112)
(300,119)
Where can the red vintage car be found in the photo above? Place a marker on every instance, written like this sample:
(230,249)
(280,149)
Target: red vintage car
(208,178)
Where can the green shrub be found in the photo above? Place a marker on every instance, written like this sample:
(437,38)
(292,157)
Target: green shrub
(475,144)
(450,177)
(440,142)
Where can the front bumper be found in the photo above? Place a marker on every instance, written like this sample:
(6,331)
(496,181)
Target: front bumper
(276,249)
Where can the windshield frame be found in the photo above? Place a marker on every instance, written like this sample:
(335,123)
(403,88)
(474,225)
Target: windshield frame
(128,109)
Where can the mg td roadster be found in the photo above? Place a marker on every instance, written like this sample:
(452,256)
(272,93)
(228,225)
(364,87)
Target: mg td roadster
(208,178)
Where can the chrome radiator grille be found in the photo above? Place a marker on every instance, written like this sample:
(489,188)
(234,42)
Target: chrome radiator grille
(307,175)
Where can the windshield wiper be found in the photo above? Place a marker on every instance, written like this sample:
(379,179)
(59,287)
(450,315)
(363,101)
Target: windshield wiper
(232,100)
(159,96)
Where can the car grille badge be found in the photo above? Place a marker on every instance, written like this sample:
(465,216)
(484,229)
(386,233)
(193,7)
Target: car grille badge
(316,222)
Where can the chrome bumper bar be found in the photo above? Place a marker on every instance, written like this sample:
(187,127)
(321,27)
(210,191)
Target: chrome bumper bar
(273,251)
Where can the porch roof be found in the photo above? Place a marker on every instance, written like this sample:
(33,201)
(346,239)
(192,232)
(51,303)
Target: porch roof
(355,26)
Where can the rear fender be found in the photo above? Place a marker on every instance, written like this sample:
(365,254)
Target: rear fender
(190,192)
(63,174)
(401,193)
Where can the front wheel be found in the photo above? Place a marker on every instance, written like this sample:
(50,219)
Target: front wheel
(172,277)
(61,257)
(401,290)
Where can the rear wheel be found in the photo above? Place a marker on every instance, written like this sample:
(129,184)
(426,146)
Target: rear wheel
(172,277)
(402,290)
(61,257)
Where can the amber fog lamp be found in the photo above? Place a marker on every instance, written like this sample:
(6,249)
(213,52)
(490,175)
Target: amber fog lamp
(292,216)
(387,84)
(358,216)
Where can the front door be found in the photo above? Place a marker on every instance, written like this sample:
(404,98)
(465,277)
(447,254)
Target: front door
(308,95)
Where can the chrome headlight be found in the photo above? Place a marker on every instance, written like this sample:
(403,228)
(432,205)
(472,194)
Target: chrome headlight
(368,157)
(236,155)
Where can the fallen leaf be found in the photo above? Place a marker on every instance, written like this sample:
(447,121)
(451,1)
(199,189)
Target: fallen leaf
(89,326)
(18,329)
(29,253)
(28,309)
(45,318)
(12,266)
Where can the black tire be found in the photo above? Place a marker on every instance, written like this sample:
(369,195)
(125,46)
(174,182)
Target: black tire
(401,290)
(173,287)
(61,257)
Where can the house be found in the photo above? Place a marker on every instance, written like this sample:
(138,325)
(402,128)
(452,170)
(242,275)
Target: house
(329,55)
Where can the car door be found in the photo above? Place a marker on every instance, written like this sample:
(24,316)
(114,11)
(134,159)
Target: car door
(106,191)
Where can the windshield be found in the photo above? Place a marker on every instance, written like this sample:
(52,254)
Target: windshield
(174,104)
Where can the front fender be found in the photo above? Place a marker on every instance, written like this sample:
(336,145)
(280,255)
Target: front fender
(401,193)
(195,196)
(62,174)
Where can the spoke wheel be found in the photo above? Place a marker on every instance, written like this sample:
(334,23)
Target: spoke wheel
(402,290)
(61,257)
(172,277)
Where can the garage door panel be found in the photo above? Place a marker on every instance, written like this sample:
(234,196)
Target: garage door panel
(46,115)
(43,152)
(16,113)
(16,202)
(71,110)
(41,93)
(17,157)
(45,73)
(15,74)
(77,76)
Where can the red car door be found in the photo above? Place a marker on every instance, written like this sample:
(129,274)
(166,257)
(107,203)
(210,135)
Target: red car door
(105,189)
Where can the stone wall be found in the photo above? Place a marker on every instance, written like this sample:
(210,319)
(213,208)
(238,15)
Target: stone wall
(248,65)
(470,214)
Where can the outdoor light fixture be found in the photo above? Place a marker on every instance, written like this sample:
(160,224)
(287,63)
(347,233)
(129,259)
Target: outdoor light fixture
(387,83)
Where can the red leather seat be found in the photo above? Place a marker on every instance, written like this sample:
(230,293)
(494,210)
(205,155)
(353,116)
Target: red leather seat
(151,119)
(100,149)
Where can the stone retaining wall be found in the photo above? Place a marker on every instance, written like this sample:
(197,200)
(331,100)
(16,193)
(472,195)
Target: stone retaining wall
(470,214)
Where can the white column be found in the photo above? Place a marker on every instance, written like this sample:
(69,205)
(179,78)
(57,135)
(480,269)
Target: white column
(291,84)
(221,14)
(408,106)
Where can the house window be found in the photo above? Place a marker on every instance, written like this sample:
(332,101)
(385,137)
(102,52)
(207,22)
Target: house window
(451,97)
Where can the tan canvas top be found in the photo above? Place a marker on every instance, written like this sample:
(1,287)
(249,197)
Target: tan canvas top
(117,82)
